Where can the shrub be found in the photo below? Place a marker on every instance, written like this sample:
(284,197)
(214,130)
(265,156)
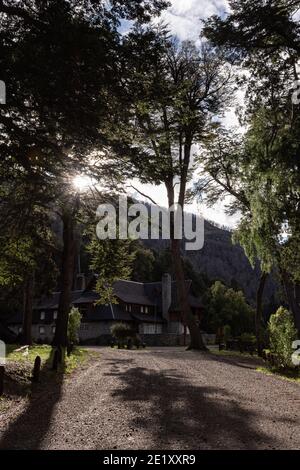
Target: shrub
(227,332)
(122,331)
(247,338)
(74,325)
(282,333)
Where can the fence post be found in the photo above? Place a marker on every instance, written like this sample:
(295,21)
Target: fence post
(55,360)
(36,369)
(2,370)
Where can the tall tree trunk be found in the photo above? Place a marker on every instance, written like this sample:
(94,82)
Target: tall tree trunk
(292,292)
(258,315)
(196,341)
(26,337)
(68,260)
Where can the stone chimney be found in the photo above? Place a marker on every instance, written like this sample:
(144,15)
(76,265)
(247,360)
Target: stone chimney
(166,293)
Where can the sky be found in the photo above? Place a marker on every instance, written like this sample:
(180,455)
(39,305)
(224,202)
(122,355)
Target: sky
(184,20)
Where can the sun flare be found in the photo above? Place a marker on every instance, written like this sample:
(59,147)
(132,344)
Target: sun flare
(82,182)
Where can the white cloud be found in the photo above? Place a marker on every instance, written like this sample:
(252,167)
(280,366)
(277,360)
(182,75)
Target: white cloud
(184,16)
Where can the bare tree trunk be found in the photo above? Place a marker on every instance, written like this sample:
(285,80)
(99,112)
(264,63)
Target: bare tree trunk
(258,315)
(26,337)
(68,260)
(196,341)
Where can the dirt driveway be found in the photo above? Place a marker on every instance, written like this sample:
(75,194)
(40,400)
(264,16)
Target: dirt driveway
(163,398)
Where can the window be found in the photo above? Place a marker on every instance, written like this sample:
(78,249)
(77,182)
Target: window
(20,329)
(142,309)
(42,330)
(43,315)
(53,329)
(55,315)
(152,329)
(146,310)
(128,308)
(84,326)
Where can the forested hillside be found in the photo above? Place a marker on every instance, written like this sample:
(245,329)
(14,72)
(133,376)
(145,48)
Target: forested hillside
(220,259)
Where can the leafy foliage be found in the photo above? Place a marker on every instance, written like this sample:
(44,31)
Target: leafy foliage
(122,331)
(74,325)
(262,172)
(282,334)
(111,260)
(228,307)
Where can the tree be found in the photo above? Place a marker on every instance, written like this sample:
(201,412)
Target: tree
(177,88)
(27,263)
(229,307)
(252,25)
(282,335)
(143,263)
(225,171)
(264,38)
(60,62)
(111,260)
(74,325)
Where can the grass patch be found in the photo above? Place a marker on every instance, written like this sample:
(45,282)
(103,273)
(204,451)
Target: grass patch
(18,383)
(43,350)
(224,352)
(291,375)
(78,357)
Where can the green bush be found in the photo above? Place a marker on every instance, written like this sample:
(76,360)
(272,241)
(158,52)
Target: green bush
(282,333)
(227,332)
(229,307)
(247,338)
(74,325)
(122,331)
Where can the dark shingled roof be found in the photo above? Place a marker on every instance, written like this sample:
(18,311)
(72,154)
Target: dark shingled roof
(133,293)
(51,302)
(146,294)
(107,313)
(149,293)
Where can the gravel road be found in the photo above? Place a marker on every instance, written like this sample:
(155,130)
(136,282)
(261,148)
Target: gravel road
(159,398)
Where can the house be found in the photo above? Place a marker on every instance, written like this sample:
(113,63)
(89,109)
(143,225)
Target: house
(151,308)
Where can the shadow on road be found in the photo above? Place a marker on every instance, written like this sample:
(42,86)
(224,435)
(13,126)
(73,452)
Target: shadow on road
(30,427)
(186,416)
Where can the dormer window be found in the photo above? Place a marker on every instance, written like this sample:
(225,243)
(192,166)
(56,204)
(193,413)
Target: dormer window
(55,315)
(43,316)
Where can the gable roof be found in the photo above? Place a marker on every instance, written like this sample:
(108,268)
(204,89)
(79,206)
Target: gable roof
(51,302)
(129,292)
